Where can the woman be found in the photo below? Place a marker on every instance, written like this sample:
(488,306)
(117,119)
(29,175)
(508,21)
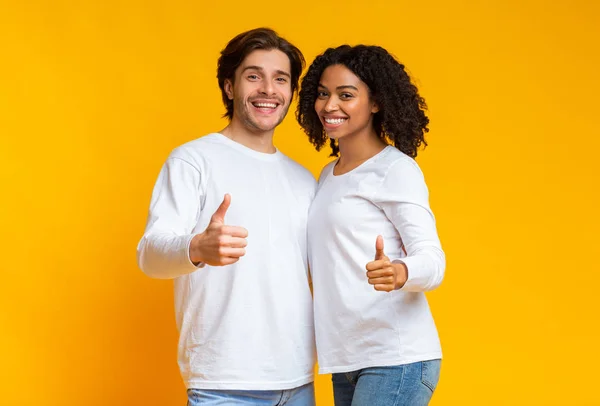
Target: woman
(373,243)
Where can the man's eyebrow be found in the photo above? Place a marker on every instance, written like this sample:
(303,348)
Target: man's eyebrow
(260,69)
(252,67)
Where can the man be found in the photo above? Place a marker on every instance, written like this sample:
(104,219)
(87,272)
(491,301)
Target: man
(227,221)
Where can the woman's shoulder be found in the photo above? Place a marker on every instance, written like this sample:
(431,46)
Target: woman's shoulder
(397,162)
(327,169)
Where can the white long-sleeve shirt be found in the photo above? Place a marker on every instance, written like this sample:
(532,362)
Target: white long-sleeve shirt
(356,326)
(249,325)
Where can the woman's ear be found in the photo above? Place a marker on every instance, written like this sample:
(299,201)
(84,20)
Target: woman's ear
(375,108)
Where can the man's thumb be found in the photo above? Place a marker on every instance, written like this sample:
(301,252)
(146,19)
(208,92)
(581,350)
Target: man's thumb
(379,248)
(219,216)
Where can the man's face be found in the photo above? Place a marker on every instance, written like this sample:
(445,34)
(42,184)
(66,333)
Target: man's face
(261,90)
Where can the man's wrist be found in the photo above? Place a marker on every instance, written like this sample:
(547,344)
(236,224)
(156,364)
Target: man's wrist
(195,253)
(401,274)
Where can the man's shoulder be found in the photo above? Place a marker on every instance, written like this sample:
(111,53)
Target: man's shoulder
(300,171)
(198,149)
(197,146)
(197,152)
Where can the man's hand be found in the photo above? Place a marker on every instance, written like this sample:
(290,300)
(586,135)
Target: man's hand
(384,275)
(219,244)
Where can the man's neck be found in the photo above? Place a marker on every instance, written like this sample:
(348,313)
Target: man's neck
(261,141)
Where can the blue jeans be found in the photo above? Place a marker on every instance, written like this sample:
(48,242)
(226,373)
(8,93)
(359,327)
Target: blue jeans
(402,385)
(301,396)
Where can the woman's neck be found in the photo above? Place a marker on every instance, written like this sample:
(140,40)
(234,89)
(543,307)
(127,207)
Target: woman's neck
(356,149)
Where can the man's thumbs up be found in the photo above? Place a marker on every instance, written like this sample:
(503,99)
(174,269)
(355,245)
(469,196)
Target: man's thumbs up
(219,215)
(379,248)
(219,244)
(383,274)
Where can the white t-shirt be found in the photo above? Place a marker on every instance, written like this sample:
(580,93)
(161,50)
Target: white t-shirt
(356,326)
(249,325)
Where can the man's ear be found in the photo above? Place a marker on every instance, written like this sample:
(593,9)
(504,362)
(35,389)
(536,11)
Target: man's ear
(228,87)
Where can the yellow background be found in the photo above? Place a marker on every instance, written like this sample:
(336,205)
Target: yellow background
(95,94)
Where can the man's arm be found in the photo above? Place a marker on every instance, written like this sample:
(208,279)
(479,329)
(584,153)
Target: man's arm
(163,251)
(168,248)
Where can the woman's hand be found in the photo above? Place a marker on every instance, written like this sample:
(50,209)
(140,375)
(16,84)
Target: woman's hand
(384,275)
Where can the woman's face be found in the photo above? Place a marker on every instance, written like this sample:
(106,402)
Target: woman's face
(344,104)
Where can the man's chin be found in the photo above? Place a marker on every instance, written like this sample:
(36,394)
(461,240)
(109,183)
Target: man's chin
(265,126)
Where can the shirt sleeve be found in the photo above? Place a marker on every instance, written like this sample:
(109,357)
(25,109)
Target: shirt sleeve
(163,251)
(404,198)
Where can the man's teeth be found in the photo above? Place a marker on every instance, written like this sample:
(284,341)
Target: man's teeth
(268,105)
(335,120)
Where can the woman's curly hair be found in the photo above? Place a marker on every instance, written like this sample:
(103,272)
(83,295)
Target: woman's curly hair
(401,118)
